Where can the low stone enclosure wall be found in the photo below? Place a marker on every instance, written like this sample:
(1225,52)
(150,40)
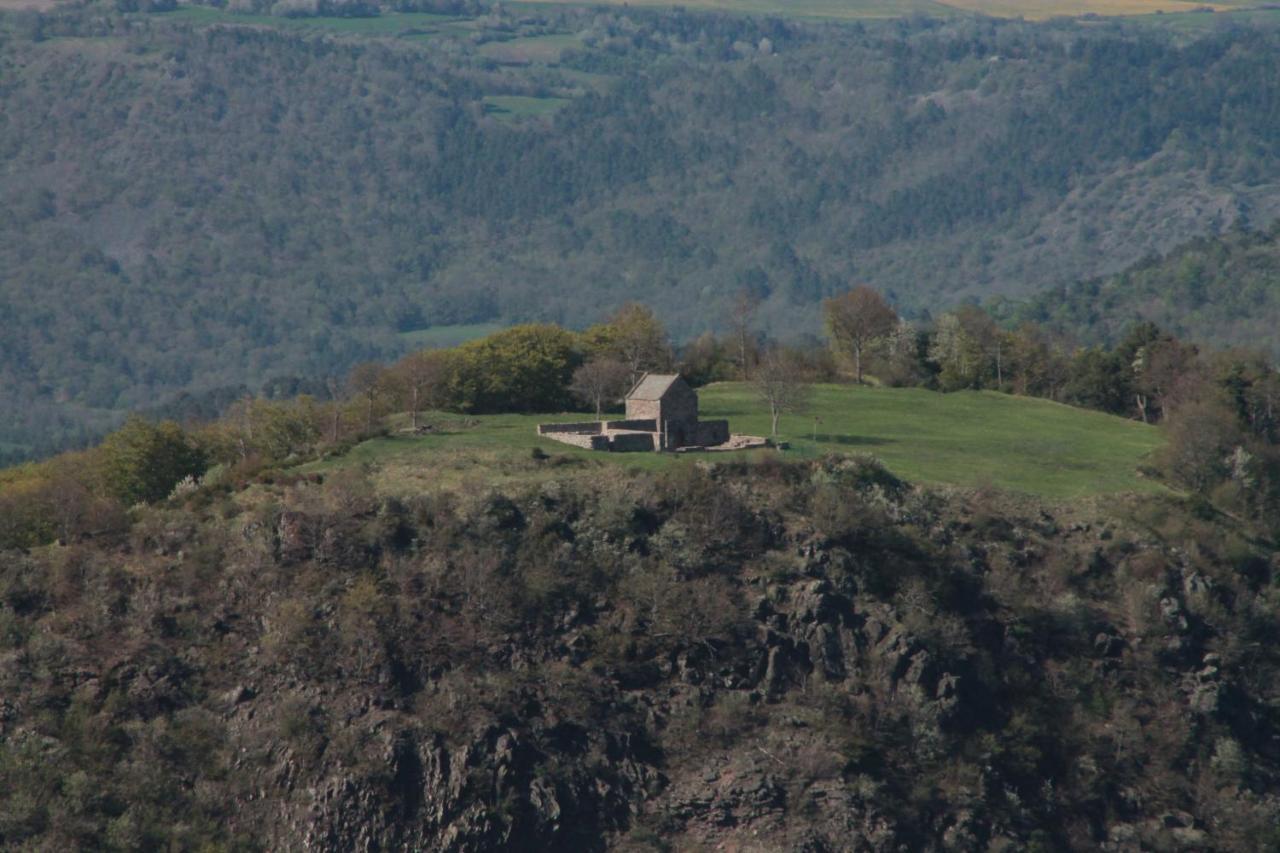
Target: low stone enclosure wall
(633,426)
(632,436)
(633,442)
(586,428)
(709,433)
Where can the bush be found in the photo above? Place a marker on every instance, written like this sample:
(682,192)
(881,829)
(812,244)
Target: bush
(142,462)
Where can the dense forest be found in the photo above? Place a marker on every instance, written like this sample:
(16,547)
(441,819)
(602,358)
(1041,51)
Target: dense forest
(194,204)
(1223,288)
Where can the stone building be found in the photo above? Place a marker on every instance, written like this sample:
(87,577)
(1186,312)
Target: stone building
(668,402)
(662,414)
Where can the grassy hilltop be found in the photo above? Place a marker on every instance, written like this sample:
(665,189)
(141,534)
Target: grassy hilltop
(802,655)
(965,439)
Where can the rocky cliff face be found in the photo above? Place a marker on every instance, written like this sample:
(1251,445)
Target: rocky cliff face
(809,657)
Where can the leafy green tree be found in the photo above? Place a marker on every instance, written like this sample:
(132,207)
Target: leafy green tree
(633,336)
(521,369)
(709,359)
(271,429)
(142,461)
(1100,379)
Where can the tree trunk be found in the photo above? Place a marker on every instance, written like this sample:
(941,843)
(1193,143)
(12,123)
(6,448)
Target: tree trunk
(413,413)
(774,412)
(337,420)
(857,361)
(1142,406)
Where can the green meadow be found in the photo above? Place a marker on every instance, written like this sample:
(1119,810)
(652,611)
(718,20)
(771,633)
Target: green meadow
(511,107)
(388,24)
(963,439)
(1199,21)
(448,336)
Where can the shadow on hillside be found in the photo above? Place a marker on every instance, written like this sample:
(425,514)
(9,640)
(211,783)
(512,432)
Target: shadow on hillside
(409,435)
(852,440)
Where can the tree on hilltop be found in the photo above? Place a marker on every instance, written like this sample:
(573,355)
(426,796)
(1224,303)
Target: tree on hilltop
(521,369)
(368,382)
(633,336)
(142,461)
(742,316)
(781,383)
(600,381)
(855,321)
(421,377)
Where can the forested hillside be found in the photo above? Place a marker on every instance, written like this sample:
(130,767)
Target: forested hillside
(1224,289)
(193,202)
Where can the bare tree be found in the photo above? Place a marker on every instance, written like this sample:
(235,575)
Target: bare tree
(855,321)
(367,381)
(422,376)
(600,381)
(742,315)
(334,386)
(781,383)
(987,340)
(1161,370)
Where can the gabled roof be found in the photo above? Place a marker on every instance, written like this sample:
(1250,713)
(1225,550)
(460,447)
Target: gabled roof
(653,386)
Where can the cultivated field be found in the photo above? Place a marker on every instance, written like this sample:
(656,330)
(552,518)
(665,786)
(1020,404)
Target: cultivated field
(406,24)
(964,439)
(863,9)
(1042,9)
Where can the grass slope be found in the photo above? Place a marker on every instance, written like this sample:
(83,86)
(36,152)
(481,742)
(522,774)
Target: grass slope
(389,24)
(963,439)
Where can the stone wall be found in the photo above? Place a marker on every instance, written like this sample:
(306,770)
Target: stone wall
(710,433)
(586,441)
(586,428)
(632,442)
(649,425)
